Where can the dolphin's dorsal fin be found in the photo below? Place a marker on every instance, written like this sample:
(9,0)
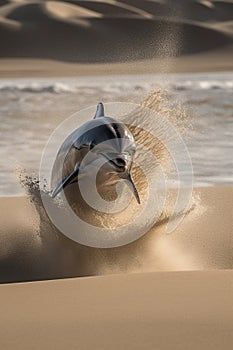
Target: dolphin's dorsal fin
(99,111)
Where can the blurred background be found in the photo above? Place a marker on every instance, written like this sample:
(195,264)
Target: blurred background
(199,33)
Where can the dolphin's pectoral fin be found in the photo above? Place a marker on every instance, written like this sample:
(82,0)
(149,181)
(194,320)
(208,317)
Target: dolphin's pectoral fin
(99,111)
(69,179)
(133,187)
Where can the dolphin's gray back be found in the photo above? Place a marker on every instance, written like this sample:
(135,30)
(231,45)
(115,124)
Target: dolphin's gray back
(95,132)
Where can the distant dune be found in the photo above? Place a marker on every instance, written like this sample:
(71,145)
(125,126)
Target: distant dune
(113,31)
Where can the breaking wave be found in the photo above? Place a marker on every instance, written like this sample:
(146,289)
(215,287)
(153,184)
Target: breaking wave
(221,81)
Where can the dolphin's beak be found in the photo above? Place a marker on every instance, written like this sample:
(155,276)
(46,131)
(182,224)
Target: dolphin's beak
(68,180)
(132,186)
(120,164)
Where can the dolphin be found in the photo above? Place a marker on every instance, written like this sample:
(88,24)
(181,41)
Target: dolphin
(108,140)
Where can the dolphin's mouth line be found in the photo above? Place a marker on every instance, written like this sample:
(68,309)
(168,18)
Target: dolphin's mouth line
(120,167)
(118,163)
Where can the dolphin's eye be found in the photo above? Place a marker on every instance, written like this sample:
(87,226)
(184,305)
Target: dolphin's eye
(119,162)
(91,146)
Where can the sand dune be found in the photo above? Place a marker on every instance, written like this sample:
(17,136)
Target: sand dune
(187,9)
(111,8)
(105,31)
(69,11)
(32,249)
(184,310)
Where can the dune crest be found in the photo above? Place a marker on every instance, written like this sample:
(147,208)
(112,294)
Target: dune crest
(67,10)
(112,31)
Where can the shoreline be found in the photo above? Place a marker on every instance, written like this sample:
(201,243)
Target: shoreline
(120,76)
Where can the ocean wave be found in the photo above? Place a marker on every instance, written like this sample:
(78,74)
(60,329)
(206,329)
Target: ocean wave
(37,88)
(85,86)
(68,88)
(204,85)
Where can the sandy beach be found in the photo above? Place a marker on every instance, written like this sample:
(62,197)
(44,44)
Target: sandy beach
(163,291)
(32,249)
(171,310)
